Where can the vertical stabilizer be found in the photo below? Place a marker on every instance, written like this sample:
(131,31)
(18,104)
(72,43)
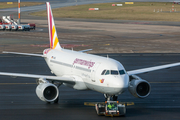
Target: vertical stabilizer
(53,38)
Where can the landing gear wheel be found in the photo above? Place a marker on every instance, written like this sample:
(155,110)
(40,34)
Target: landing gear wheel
(56,101)
(114,97)
(107,97)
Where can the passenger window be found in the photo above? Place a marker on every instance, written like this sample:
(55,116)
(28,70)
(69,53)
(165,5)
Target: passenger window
(114,72)
(107,72)
(103,72)
(121,72)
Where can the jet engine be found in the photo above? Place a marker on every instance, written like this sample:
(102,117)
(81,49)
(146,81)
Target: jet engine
(138,87)
(47,92)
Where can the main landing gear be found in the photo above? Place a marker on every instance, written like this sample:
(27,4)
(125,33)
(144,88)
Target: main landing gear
(58,84)
(55,101)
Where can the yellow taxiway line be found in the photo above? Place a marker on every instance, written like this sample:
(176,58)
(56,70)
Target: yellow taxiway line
(93,103)
(35,83)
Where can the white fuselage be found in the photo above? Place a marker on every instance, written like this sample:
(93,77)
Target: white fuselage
(86,69)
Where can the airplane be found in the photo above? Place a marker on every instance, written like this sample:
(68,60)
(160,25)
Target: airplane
(82,71)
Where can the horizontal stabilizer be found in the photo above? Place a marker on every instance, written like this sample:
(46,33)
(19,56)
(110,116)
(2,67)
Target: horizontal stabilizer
(85,50)
(28,54)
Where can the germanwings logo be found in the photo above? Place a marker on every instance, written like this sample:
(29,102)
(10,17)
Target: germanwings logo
(52,30)
(101,81)
(84,62)
(46,51)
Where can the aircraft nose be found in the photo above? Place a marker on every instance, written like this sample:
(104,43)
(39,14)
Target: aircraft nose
(121,83)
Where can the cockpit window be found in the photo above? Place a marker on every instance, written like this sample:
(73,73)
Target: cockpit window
(107,72)
(121,72)
(114,72)
(103,72)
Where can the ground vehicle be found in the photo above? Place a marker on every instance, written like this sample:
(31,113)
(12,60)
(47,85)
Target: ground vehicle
(110,108)
(2,27)
(32,25)
(14,27)
(8,27)
(24,27)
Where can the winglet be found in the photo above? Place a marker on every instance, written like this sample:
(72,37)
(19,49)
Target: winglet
(53,38)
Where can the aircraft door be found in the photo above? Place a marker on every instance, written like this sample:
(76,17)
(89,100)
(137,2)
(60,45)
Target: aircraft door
(93,72)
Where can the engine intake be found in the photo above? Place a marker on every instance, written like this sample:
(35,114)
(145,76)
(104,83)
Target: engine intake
(138,87)
(47,92)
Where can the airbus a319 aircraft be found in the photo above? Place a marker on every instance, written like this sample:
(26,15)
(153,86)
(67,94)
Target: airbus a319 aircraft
(82,71)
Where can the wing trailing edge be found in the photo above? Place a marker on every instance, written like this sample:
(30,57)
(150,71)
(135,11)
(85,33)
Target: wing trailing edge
(52,78)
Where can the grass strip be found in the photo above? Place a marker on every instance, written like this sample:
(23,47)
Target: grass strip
(136,11)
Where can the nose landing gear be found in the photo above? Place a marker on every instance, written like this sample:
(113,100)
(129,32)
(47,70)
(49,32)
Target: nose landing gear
(108,97)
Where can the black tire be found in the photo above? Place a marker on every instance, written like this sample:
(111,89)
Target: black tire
(115,98)
(56,101)
(48,102)
(97,111)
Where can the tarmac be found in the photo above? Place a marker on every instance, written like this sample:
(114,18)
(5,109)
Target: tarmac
(18,99)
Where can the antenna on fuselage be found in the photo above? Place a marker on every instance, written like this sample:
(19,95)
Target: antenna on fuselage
(107,56)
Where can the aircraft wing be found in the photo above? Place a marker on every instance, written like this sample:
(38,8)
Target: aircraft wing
(29,54)
(145,70)
(85,50)
(53,78)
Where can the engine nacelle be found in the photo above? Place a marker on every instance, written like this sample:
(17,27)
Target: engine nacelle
(138,87)
(47,92)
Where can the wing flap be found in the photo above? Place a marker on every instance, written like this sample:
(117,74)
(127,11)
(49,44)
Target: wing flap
(53,78)
(144,70)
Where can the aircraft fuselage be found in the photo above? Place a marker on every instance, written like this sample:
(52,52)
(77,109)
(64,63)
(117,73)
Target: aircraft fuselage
(88,70)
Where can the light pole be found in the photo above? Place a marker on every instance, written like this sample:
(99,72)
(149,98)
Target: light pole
(19,16)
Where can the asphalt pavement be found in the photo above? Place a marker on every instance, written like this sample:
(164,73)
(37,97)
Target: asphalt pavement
(18,99)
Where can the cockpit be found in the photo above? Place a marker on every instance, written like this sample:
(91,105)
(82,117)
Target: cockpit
(113,72)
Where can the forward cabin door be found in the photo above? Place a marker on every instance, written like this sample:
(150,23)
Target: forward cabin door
(93,72)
